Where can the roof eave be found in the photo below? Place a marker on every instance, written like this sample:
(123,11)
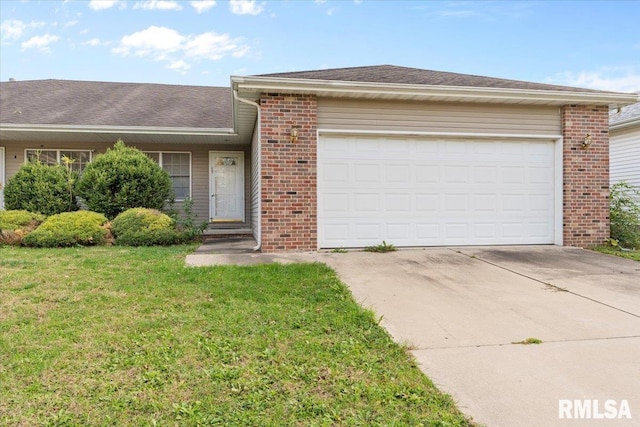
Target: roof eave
(149,130)
(623,124)
(452,93)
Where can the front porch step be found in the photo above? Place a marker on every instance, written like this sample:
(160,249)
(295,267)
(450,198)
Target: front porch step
(227,232)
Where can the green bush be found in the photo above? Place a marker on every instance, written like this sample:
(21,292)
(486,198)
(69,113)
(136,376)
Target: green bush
(14,225)
(36,187)
(625,214)
(145,227)
(123,178)
(17,219)
(83,228)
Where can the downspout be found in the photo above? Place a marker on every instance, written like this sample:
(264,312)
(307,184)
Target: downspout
(259,163)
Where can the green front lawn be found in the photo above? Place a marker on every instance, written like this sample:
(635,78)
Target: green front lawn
(113,336)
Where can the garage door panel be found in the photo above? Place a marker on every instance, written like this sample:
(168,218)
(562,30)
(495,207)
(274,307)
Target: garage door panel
(427,174)
(367,173)
(335,174)
(397,203)
(370,232)
(426,192)
(335,203)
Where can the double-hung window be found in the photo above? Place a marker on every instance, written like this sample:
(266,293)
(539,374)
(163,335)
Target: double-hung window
(178,166)
(79,158)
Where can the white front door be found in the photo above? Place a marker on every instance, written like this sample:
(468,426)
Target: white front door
(226,185)
(1,177)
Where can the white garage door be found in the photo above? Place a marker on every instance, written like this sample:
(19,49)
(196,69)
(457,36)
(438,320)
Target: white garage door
(431,192)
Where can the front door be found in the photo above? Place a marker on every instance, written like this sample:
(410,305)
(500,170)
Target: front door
(226,185)
(1,177)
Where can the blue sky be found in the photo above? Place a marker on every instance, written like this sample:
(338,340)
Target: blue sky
(579,43)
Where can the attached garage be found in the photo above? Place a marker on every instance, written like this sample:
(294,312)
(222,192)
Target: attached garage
(431,191)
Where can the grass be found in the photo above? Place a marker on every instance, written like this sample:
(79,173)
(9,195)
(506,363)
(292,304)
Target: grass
(612,250)
(528,341)
(381,248)
(113,336)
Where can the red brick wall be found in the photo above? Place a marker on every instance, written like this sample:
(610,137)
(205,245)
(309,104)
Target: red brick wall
(586,175)
(289,205)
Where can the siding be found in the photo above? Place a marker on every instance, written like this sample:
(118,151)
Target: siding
(199,166)
(2,178)
(437,117)
(624,155)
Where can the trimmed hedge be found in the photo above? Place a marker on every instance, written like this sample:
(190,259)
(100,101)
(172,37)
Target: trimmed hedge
(146,227)
(82,228)
(37,187)
(123,178)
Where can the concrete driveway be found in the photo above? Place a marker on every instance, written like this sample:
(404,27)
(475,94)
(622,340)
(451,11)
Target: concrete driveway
(461,310)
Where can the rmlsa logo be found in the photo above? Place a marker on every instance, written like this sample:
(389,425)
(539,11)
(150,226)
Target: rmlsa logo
(593,409)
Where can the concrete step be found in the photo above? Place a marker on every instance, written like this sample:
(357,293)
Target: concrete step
(225,232)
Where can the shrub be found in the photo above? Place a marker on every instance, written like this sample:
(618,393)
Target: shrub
(145,227)
(187,223)
(14,225)
(37,187)
(16,219)
(625,214)
(83,228)
(123,178)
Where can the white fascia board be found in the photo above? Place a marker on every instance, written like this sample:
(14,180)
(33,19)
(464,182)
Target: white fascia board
(328,87)
(115,129)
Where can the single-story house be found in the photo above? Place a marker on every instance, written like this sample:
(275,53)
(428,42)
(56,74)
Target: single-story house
(624,145)
(347,157)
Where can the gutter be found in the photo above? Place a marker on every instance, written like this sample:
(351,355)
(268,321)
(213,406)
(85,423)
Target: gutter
(154,130)
(259,163)
(342,88)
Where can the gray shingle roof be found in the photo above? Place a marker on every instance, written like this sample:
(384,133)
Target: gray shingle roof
(626,113)
(66,102)
(416,76)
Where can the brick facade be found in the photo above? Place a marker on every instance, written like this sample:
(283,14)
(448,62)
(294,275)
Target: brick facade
(289,196)
(289,173)
(586,175)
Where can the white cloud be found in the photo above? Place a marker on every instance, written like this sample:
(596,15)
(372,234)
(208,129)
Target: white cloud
(214,46)
(102,4)
(14,29)
(615,79)
(166,44)
(245,7)
(179,65)
(40,42)
(70,24)
(158,5)
(155,41)
(319,1)
(202,5)
(95,42)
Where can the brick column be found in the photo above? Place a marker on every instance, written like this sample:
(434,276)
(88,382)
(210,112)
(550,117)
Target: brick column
(586,175)
(289,195)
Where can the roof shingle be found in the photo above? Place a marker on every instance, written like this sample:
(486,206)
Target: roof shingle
(68,102)
(415,76)
(626,113)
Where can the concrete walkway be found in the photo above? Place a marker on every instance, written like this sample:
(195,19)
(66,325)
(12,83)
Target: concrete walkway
(461,311)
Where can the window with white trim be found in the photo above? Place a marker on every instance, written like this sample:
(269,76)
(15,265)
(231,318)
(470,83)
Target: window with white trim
(79,158)
(178,166)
